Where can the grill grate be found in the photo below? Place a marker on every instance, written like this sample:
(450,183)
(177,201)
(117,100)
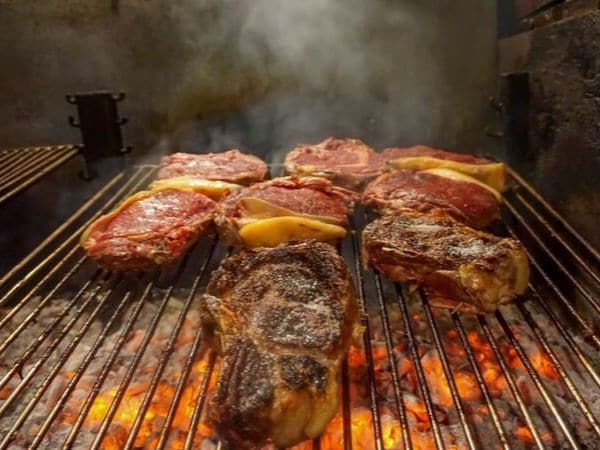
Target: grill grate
(61,317)
(20,168)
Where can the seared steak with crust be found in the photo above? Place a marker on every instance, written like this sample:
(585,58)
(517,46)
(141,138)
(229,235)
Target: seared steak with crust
(346,162)
(421,157)
(149,229)
(285,209)
(469,202)
(231,166)
(282,318)
(460,267)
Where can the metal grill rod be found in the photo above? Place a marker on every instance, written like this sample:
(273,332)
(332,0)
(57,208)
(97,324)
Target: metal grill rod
(400,406)
(52,375)
(86,361)
(560,368)
(480,381)
(591,300)
(448,372)
(7,156)
(70,221)
(368,351)
(555,214)
(18,158)
(587,329)
(40,173)
(167,351)
(550,403)
(73,237)
(25,168)
(511,383)
(567,337)
(403,296)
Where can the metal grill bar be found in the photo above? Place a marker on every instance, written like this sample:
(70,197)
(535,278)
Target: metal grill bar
(400,407)
(99,291)
(537,381)
(31,167)
(480,381)
(403,297)
(448,372)
(511,383)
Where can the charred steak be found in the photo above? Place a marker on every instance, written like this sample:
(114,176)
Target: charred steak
(150,228)
(460,267)
(231,166)
(285,209)
(421,157)
(346,162)
(282,319)
(463,197)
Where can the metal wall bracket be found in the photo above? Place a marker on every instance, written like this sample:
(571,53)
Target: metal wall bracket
(100,127)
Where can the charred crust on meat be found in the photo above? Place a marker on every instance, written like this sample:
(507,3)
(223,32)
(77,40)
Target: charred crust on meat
(244,388)
(303,371)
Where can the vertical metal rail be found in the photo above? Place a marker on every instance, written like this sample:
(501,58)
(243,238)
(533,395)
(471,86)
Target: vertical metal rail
(566,334)
(402,298)
(73,237)
(588,331)
(374,406)
(346,410)
(167,351)
(34,174)
(550,403)
(199,404)
(555,214)
(448,372)
(481,381)
(400,406)
(66,224)
(51,376)
(591,300)
(511,383)
(565,378)
(87,360)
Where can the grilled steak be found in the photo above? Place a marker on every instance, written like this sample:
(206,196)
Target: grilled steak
(460,196)
(421,157)
(346,162)
(285,209)
(282,319)
(460,267)
(149,229)
(231,166)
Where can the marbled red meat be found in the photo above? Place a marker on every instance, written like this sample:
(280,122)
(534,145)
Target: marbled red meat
(150,228)
(467,202)
(231,166)
(307,197)
(422,150)
(346,162)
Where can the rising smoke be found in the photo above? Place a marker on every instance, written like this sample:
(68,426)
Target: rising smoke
(388,72)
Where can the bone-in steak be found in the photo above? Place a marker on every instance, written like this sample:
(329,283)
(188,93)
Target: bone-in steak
(425,191)
(282,318)
(421,157)
(285,209)
(346,162)
(232,166)
(460,267)
(148,229)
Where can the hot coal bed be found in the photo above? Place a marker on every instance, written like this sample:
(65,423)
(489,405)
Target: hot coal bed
(94,359)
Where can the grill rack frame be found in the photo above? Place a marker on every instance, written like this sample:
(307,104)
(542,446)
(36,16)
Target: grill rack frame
(35,272)
(22,167)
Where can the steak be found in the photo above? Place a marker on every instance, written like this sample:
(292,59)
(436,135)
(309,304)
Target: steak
(231,166)
(285,209)
(151,228)
(460,267)
(464,198)
(421,157)
(346,162)
(282,319)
